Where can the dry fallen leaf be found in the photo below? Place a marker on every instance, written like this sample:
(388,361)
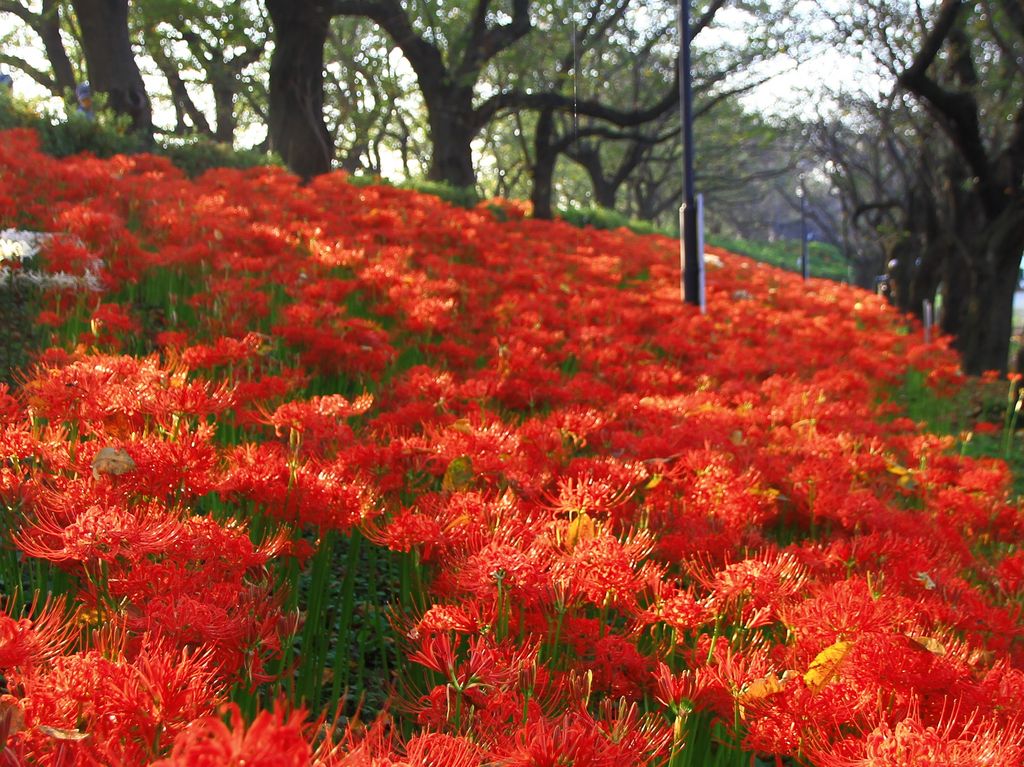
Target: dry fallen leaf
(825,665)
(12,721)
(59,733)
(458,475)
(112,460)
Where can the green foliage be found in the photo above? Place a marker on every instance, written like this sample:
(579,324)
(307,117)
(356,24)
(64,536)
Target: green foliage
(197,155)
(15,113)
(983,417)
(461,196)
(19,304)
(104,136)
(108,135)
(826,260)
(603,218)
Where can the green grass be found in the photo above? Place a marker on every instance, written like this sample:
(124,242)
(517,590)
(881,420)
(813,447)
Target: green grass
(826,260)
(603,218)
(975,403)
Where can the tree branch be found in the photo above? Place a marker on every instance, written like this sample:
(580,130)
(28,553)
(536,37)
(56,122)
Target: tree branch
(487,42)
(706,18)
(515,99)
(958,110)
(389,15)
(38,75)
(23,13)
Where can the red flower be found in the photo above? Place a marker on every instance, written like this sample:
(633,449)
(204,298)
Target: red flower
(274,739)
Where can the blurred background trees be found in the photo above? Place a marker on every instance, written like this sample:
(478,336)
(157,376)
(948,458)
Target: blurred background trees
(907,145)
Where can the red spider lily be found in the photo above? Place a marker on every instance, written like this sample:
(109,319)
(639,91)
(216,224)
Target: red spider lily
(225,351)
(125,392)
(90,709)
(910,743)
(28,642)
(477,663)
(99,533)
(579,466)
(578,739)
(273,739)
(679,610)
(209,588)
(328,494)
(462,619)
(767,581)
(317,423)
(438,748)
(109,321)
(603,570)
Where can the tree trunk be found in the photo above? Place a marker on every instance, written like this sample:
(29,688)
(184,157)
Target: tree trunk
(978,307)
(605,188)
(224,109)
(49,31)
(604,192)
(452,130)
(111,62)
(543,165)
(296,125)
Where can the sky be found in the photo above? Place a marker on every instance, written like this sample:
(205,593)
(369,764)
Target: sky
(801,79)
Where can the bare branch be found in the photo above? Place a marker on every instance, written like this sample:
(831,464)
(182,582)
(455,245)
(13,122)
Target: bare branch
(38,75)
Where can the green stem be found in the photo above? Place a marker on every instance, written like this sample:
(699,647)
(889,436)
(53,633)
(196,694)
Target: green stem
(315,633)
(340,662)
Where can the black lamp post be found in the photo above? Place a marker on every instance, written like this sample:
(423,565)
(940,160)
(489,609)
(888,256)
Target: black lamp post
(805,266)
(688,212)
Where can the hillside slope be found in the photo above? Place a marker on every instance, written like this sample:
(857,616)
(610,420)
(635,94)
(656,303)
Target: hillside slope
(606,529)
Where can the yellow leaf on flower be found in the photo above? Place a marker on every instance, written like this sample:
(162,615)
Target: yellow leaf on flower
(653,482)
(580,529)
(931,644)
(90,617)
(760,688)
(463,426)
(59,733)
(825,665)
(11,716)
(458,475)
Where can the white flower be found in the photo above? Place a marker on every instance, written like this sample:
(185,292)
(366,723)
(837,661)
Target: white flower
(18,245)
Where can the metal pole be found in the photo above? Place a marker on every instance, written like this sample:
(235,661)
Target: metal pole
(688,211)
(805,266)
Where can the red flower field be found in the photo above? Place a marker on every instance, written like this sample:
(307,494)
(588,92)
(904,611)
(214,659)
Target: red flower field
(341,475)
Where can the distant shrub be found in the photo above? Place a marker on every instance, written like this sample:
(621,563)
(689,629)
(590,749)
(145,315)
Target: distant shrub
(108,134)
(14,113)
(197,155)
(61,136)
(603,218)
(461,196)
